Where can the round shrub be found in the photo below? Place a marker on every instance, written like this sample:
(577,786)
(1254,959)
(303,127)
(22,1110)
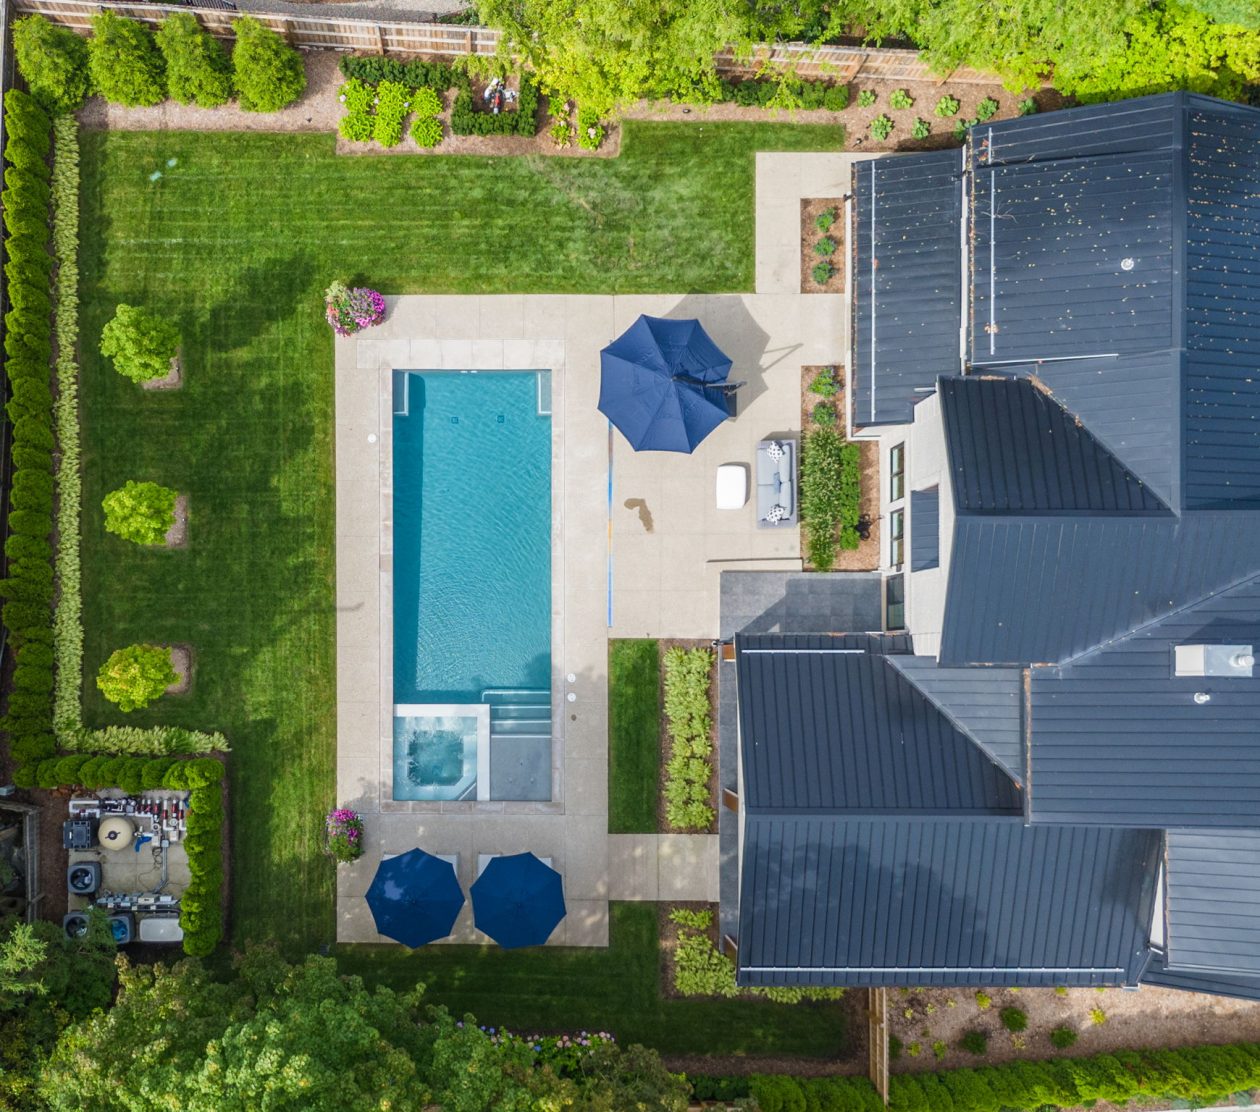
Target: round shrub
(825,247)
(426,130)
(140,343)
(1063,1037)
(1014,1020)
(426,102)
(267,72)
(133,677)
(140,512)
(124,61)
(822,272)
(197,67)
(824,414)
(974,1042)
(54,61)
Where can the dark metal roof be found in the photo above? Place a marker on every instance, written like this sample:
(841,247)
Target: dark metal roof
(1219,984)
(1117,737)
(907,281)
(985,703)
(925,529)
(1213,885)
(1222,325)
(922,901)
(1072,257)
(1045,589)
(1129,403)
(1013,449)
(828,724)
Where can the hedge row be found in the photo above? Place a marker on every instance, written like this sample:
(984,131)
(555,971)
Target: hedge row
(831,495)
(200,911)
(372,69)
(788,92)
(1198,1073)
(28,586)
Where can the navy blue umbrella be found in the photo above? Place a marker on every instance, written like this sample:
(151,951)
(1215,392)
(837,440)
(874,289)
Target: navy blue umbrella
(663,384)
(415,898)
(518,901)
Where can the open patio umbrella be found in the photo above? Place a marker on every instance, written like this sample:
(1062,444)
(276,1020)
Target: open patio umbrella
(518,900)
(663,384)
(415,898)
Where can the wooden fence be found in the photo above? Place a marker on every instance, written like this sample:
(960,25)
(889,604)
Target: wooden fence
(316,32)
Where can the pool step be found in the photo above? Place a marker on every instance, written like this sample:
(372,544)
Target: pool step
(519,713)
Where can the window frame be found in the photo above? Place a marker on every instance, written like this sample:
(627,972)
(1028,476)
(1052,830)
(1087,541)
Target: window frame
(897,472)
(895,611)
(897,538)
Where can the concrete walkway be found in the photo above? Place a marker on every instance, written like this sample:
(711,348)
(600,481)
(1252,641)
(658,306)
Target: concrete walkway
(637,549)
(663,867)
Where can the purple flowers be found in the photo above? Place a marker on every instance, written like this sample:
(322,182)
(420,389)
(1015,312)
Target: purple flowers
(350,309)
(343,831)
(564,1053)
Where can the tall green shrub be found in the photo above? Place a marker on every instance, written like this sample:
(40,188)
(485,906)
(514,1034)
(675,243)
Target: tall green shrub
(267,72)
(197,67)
(831,495)
(54,62)
(140,512)
(135,676)
(140,343)
(124,61)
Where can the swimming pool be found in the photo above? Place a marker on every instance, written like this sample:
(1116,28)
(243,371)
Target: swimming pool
(472,584)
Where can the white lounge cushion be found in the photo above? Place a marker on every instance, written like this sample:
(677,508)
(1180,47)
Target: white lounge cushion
(732,486)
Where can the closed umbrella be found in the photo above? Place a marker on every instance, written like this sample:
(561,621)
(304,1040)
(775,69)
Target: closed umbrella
(415,898)
(663,384)
(518,900)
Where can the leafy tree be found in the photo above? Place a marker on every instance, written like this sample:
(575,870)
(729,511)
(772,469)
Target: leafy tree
(133,677)
(268,73)
(197,67)
(54,61)
(140,343)
(141,512)
(46,981)
(608,53)
(1173,47)
(124,61)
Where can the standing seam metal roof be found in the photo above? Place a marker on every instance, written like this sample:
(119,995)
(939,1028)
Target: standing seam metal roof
(1213,900)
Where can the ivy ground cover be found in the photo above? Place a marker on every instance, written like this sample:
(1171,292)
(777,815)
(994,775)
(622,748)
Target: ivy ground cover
(236,240)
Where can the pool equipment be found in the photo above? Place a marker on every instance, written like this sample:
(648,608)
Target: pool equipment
(116,832)
(83,878)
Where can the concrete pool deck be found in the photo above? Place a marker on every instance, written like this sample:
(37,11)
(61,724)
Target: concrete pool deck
(644,562)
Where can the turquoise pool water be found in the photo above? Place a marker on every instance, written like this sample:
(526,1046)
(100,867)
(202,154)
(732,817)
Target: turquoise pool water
(472,540)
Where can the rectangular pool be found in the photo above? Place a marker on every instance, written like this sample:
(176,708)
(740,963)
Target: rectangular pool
(472,585)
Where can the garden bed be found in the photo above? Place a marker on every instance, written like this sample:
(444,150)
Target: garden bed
(667,744)
(1150,1018)
(812,209)
(866,556)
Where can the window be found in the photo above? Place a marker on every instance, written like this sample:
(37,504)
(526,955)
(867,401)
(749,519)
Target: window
(897,473)
(925,532)
(895,602)
(896,535)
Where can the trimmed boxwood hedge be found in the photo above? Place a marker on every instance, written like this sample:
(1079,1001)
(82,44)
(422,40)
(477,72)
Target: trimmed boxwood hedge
(27,588)
(1203,1074)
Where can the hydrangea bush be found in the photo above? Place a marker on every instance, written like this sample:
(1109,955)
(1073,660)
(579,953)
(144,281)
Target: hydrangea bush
(350,310)
(345,834)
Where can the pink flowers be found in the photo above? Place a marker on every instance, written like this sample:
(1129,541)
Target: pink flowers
(343,831)
(350,309)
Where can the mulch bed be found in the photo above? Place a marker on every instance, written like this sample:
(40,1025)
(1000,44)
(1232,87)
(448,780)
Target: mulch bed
(811,209)
(866,556)
(667,742)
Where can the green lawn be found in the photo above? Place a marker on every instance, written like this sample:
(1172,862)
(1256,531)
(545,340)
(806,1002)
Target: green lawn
(236,240)
(614,989)
(634,735)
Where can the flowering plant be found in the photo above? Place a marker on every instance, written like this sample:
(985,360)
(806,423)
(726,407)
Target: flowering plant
(348,310)
(344,831)
(564,1053)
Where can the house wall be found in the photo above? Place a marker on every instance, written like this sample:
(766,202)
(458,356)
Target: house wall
(926,466)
